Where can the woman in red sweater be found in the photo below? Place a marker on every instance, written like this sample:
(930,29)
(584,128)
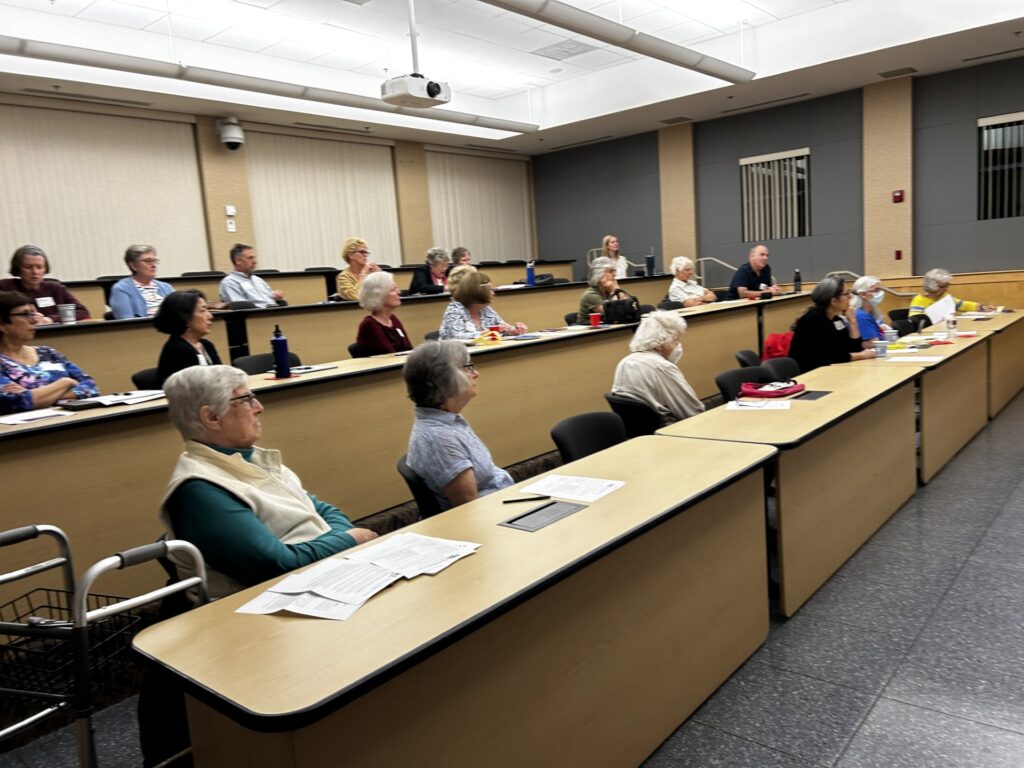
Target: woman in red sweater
(380,332)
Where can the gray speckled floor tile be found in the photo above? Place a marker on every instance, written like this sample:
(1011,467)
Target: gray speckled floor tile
(902,567)
(1010,519)
(897,735)
(791,713)
(697,746)
(1002,548)
(117,741)
(925,533)
(874,605)
(982,630)
(981,581)
(962,680)
(838,653)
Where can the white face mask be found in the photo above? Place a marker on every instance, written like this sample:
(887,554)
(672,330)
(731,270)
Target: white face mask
(876,297)
(676,354)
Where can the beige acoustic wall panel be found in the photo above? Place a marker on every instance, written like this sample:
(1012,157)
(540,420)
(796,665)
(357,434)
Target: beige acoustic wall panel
(482,203)
(413,197)
(85,186)
(225,183)
(888,167)
(678,198)
(309,195)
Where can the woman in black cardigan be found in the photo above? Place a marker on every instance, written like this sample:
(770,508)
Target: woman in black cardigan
(827,333)
(430,277)
(184,317)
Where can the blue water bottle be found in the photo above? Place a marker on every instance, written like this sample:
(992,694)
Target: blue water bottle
(650,264)
(530,276)
(279,348)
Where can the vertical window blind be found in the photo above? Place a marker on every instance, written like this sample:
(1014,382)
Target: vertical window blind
(1000,169)
(776,195)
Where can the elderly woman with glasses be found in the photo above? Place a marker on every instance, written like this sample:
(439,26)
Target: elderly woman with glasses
(443,449)
(381,332)
(141,294)
(684,288)
(469,314)
(934,288)
(827,333)
(356,254)
(430,277)
(33,377)
(650,372)
(604,285)
(238,503)
(186,319)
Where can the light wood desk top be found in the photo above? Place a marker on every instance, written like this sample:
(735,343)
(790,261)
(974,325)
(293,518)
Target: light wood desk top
(265,667)
(850,386)
(994,324)
(946,352)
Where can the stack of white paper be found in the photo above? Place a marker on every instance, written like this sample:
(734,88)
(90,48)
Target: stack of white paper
(335,589)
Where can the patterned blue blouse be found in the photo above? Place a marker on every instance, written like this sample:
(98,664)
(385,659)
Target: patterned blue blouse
(52,365)
(457,323)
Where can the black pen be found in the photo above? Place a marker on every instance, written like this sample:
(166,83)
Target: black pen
(529,498)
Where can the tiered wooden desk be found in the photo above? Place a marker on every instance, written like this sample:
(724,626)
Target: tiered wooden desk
(860,435)
(1005,356)
(585,643)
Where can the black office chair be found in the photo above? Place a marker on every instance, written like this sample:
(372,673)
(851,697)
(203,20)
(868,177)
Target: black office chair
(265,271)
(720,293)
(919,321)
(145,379)
(233,305)
(903,327)
(729,382)
(425,498)
(638,417)
(782,368)
(587,433)
(646,309)
(355,349)
(572,318)
(669,304)
(560,281)
(900,313)
(747,358)
(256,364)
(432,335)
(489,264)
(204,273)
(320,269)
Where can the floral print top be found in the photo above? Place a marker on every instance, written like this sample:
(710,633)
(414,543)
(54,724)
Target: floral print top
(52,365)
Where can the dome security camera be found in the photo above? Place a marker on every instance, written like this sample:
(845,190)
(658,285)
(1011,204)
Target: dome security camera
(231,134)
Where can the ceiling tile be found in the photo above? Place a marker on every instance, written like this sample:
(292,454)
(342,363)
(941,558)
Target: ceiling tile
(783,8)
(488,91)
(61,7)
(164,6)
(259,3)
(599,59)
(245,40)
(120,14)
(494,29)
(186,28)
(723,15)
(344,59)
(532,39)
(687,32)
(365,18)
(653,23)
(622,11)
(312,10)
(296,50)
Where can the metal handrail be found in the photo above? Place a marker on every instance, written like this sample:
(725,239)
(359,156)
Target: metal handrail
(855,276)
(698,266)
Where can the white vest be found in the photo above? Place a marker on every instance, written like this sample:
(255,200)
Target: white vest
(270,489)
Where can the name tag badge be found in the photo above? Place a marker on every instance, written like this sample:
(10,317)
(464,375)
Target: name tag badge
(45,301)
(839,324)
(399,332)
(46,365)
(762,287)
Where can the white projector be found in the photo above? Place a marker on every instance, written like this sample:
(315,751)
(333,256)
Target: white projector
(414,91)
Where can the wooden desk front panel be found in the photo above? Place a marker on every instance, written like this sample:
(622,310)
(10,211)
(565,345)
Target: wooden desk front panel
(710,344)
(112,352)
(596,670)
(778,315)
(1006,366)
(306,288)
(91,294)
(954,407)
(821,523)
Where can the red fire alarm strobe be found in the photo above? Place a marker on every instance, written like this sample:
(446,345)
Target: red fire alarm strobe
(897,196)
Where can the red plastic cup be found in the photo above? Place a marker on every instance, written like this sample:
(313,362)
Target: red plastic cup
(495,328)
(595,319)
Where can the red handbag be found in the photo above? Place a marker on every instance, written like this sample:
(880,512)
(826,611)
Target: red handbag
(771,389)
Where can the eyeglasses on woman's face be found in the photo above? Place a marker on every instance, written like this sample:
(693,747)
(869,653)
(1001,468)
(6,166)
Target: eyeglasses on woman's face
(248,399)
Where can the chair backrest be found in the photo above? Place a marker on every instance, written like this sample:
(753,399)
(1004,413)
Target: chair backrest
(900,313)
(204,273)
(572,318)
(145,379)
(669,304)
(355,349)
(903,327)
(729,382)
(432,335)
(747,358)
(587,433)
(782,368)
(777,344)
(261,363)
(920,321)
(425,498)
(638,417)
(233,305)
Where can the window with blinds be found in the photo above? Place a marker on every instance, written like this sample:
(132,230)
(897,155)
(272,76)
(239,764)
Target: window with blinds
(1000,166)
(776,195)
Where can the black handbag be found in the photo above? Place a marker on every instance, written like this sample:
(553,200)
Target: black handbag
(625,310)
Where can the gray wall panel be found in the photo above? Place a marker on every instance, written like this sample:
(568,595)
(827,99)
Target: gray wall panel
(949,246)
(831,203)
(718,223)
(944,98)
(998,243)
(945,168)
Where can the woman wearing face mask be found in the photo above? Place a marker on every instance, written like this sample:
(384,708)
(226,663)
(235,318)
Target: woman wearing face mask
(650,374)
(867,295)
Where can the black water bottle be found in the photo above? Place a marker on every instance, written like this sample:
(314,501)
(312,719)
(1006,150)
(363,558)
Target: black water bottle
(798,284)
(279,348)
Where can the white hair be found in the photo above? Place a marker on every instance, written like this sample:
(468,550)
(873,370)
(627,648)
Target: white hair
(598,267)
(680,262)
(656,330)
(373,289)
(191,388)
(933,278)
(861,285)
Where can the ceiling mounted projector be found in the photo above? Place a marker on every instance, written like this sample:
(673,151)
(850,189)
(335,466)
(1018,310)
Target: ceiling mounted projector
(414,91)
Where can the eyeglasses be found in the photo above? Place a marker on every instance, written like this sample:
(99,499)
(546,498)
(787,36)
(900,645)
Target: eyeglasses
(365,253)
(147,261)
(844,293)
(248,399)
(469,368)
(30,313)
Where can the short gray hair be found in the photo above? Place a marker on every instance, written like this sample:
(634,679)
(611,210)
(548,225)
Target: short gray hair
(656,330)
(190,389)
(374,288)
(933,278)
(433,372)
(437,256)
(828,288)
(598,267)
(680,262)
(860,285)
